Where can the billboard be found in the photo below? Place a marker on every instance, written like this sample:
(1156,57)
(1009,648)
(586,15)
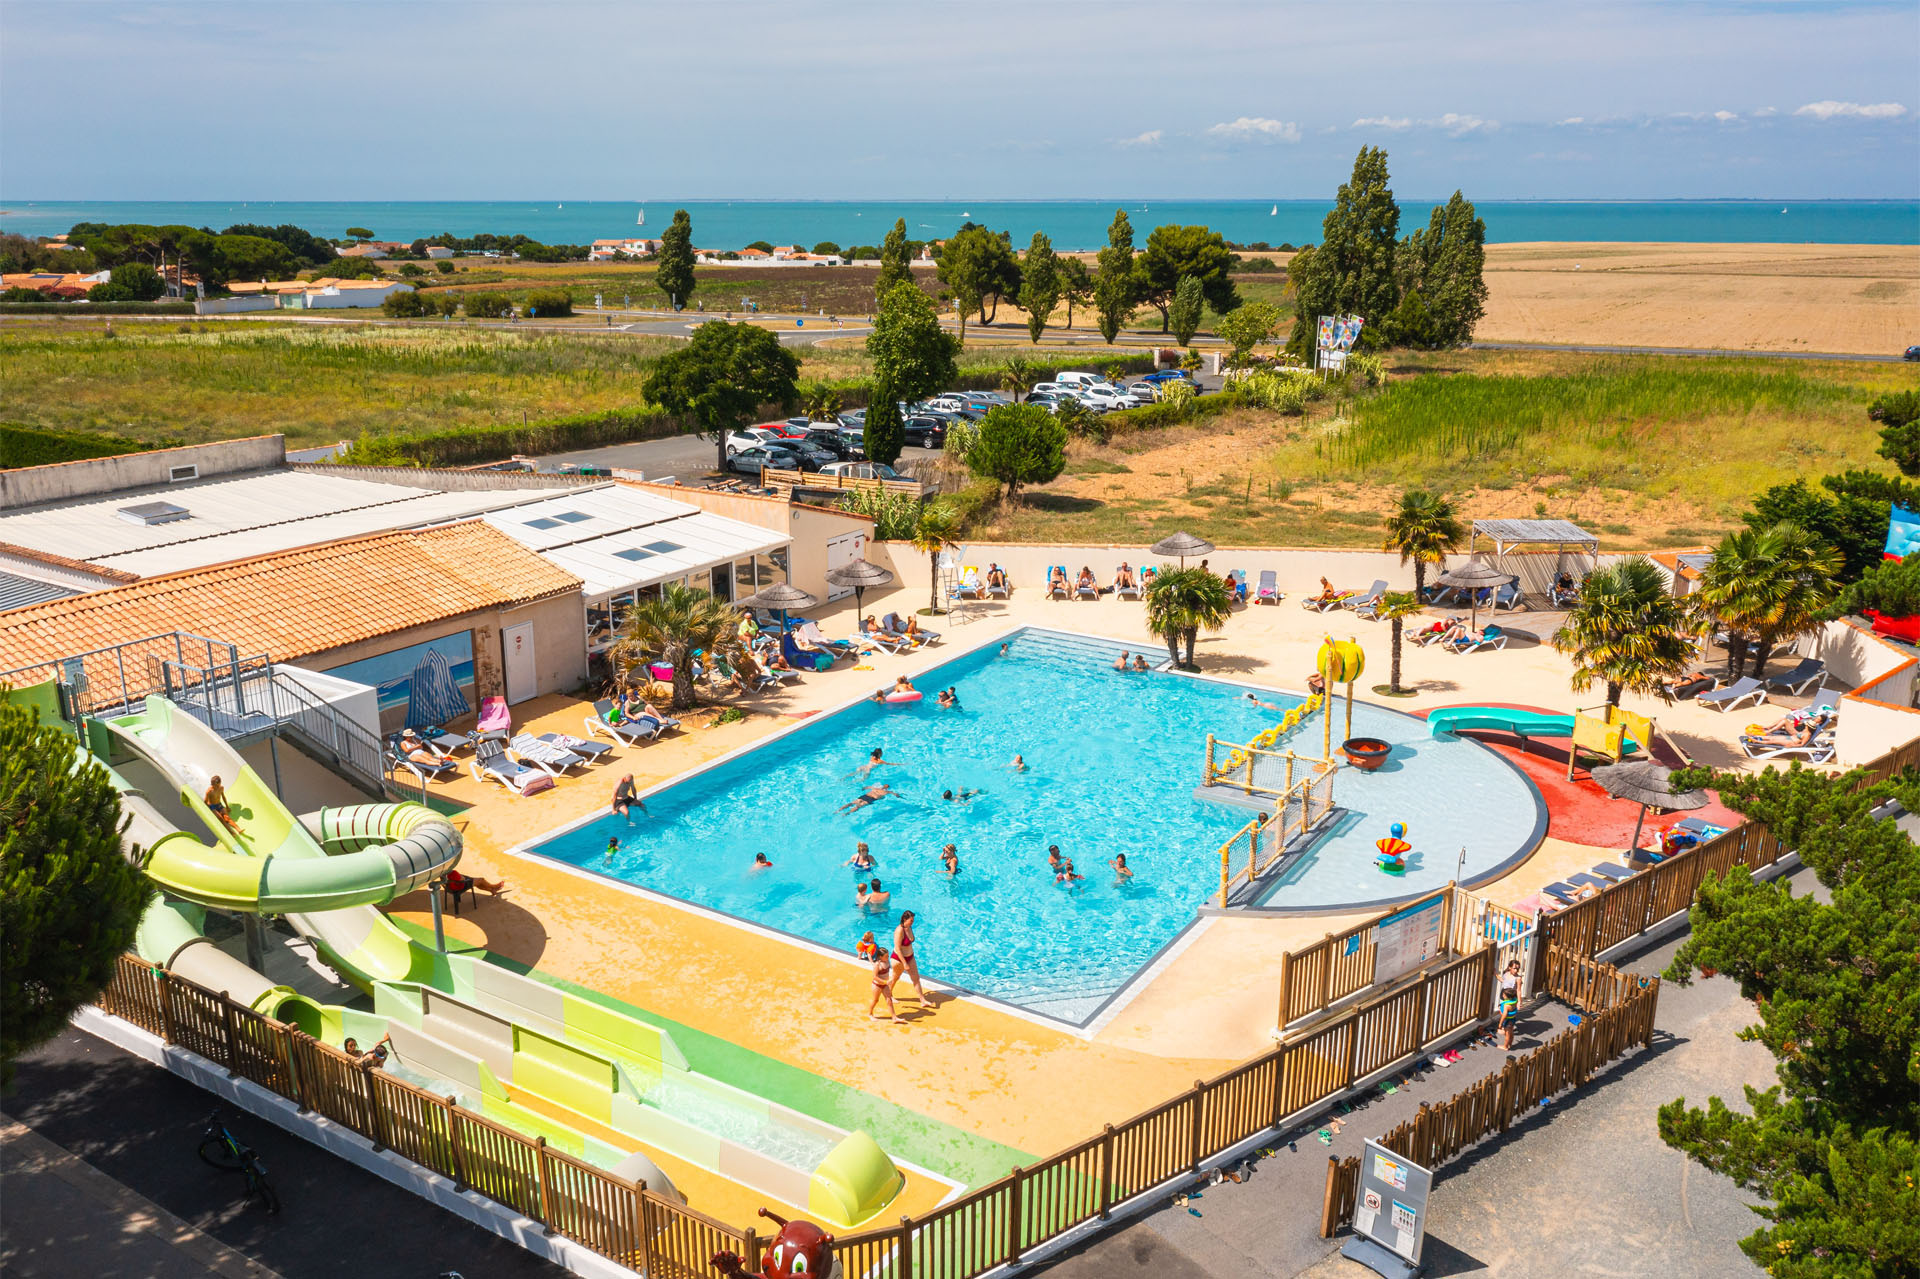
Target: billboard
(1334,338)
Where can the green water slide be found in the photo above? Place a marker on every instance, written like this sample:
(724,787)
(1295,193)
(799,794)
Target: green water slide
(325,872)
(1500,718)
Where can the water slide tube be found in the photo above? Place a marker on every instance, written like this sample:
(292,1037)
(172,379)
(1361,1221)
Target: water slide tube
(324,872)
(1504,719)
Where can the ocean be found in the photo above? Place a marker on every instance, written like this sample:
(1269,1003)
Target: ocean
(1072,224)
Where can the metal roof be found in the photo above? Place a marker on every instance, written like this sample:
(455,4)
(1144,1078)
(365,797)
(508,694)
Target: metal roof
(18,592)
(618,539)
(1507,533)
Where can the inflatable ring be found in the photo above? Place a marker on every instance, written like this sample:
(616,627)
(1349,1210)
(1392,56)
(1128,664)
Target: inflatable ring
(910,696)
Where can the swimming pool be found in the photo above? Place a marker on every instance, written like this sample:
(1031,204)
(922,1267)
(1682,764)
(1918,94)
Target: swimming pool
(1112,762)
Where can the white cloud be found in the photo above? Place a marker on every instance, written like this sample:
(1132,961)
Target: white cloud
(1570,120)
(1383,122)
(1830,110)
(1766,111)
(1456,125)
(1151,138)
(1725,116)
(1257,129)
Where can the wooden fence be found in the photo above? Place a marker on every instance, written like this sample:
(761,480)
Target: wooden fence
(614,1217)
(814,481)
(1438,1133)
(1259,845)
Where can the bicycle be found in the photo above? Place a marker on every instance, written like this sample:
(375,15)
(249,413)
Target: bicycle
(220,1148)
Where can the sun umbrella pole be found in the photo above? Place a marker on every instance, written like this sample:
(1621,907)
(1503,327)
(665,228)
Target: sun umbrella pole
(1634,847)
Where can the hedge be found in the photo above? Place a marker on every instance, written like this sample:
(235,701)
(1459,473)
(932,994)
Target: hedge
(82,310)
(31,446)
(468,445)
(1153,417)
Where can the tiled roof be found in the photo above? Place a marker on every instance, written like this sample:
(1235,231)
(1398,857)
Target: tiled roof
(295,603)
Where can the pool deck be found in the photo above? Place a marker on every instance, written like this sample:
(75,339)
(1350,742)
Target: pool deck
(1030,1085)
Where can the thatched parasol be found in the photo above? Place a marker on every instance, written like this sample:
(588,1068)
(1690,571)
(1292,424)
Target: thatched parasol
(1649,785)
(1474,576)
(779,597)
(1181,545)
(862,576)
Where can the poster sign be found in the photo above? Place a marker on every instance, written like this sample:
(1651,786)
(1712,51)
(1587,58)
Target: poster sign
(1408,938)
(1392,1207)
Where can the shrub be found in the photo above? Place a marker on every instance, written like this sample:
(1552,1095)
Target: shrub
(20,294)
(446,304)
(492,443)
(1366,371)
(894,515)
(961,437)
(141,282)
(1153,417)
(443,266)
(974,503)
(488,306)
(32,446)
(547,303)
(826,247)
(411,270)
(46,307)
(405,304)
(109,292)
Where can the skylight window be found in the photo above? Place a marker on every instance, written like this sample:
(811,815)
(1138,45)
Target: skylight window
(663,548)
(543,523)
(633,553)
(571,517)
(150,513)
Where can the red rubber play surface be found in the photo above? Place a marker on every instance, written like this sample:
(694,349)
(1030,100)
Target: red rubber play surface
(1579,810)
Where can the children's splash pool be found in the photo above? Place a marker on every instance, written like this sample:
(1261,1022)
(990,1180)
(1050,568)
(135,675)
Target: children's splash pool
(1112,760)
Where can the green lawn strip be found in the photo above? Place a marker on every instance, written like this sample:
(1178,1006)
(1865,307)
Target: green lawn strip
(932,1143)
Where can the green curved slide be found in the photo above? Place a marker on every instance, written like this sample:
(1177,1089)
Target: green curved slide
(1504,719)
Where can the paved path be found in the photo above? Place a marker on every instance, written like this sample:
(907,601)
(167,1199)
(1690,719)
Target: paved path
(169,1214)
(1584,1186)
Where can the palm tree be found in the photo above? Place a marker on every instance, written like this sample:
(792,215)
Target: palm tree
(933,532)
(1627,631)
(822,403)
(1019,377)
(1423,530)
(1397,607)
(1180,602)
(679,622)
(1764,585)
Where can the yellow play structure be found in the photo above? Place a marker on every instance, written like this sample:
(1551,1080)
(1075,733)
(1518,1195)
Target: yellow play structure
(1620,734)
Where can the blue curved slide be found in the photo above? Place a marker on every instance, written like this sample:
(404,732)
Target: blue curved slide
(1506,720)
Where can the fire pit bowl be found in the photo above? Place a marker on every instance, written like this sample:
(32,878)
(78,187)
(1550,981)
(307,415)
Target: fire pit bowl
(1366,753)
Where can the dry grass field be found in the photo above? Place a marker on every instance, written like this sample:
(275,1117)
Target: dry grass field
(1769,297)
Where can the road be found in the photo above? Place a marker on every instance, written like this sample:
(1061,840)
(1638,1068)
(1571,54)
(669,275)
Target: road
(1895,358)
(139,1125)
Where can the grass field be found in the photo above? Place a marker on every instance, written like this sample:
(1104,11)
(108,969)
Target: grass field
(213,381)
(1644,451)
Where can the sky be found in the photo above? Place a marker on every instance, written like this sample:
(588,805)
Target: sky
(840,99)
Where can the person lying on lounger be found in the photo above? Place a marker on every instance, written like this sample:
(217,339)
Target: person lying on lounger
(996,577)
(416,749)
(1123,577)
(1467,637)
(1056,579)
(1085,581)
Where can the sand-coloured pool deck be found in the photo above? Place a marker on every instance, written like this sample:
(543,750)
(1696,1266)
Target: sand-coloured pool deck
(984,1070)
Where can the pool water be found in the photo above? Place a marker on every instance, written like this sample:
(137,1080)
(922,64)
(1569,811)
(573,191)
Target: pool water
(1112,761)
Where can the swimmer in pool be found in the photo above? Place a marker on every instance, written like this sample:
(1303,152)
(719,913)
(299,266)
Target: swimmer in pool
(861,859)
(960,796)
(872,795)
(1054,863)
(1120,872)
(760,862)
(950,860)
(1120,662)
(1019,764)
(1265,706)
(613,846)
(1139,662)
(1004,648)
(950,700)
(1068,875)
(873,761)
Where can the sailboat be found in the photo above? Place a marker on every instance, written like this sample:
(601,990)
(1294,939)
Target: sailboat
(642,219)
(1274,212)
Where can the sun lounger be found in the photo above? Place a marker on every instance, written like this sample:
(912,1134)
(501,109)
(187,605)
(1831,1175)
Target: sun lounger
(1327,603)
(1746,690)
(1588,881)
(491,763)
(1130,589)
(637,729)
(1563,893)
(1508,599)
(1700,826)
(495,719)
(423,770)
(1491,637)
(1086,590)
(1268,592)
(1426,636)
(592,752)
(1795,681)
(1817,751)
(545,756)
(1058,588)
(1237,583)
(1001,591)
(971,585)
(809,636)
(1368,605)
(1614,873)
(762,679)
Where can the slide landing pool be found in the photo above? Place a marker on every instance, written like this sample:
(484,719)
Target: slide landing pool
(1111,759)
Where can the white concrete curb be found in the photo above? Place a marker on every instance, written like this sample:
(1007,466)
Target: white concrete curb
(468,1205)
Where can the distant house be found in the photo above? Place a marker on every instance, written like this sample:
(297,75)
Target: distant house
(782,252)
(607,250)
(755,255)
(324,294)
(55,284)
(438,251)
(373,249)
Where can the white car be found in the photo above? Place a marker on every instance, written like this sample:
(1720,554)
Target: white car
(1078,379)
(1106,398)
(1051,388)
(862,470)
(753,437)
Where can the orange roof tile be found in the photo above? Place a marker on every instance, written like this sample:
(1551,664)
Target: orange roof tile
(294,603)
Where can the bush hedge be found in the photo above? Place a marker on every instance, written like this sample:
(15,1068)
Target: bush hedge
(487,306)
(467,445)
(96,308)
(547,303)
(1154,417)
(32,446)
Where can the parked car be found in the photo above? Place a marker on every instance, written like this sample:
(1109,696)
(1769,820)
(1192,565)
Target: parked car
(1107,398)
(751,461)
(1049,388)
(794,428)
(926,431)
(843,444)
(751,437)
(1167,375)
(1913,353)
(952,402)
(1073,378)
(1143,392)
(863,470)
(811,456)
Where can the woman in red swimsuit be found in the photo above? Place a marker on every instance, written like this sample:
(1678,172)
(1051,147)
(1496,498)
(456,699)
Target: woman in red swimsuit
(904,963)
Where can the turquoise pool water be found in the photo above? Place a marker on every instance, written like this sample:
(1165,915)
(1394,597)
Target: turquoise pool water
(1112,761)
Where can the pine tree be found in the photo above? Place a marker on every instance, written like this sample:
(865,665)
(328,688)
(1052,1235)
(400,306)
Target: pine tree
(1445,264)
(1351,270)
(896,261)
(673,275)
(1039,284)
(1076,288)
(1115,288)
(1184,315)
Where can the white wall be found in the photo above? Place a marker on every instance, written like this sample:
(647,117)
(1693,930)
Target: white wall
(230,306)
(357,702)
